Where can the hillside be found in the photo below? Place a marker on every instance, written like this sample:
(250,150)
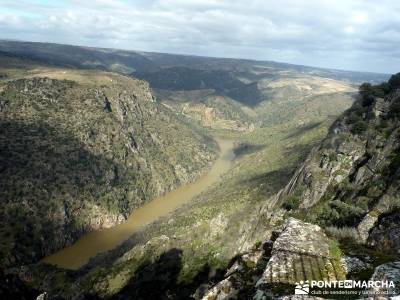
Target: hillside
(126,62)
(336,219)
(79,150)
(353,175)
(348,187)
(221,94)
(202,237)
(82,147)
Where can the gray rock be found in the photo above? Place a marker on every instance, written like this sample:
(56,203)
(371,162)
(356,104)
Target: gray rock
(225,289)
(353,264)
(366,225)
(302,252)
(42,296)
(385,236)
(388,272)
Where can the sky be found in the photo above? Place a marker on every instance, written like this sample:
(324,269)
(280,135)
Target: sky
(362,35)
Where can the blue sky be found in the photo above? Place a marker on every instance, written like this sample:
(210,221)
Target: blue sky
(344,34)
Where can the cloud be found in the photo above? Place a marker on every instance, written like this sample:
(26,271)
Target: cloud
(358,34)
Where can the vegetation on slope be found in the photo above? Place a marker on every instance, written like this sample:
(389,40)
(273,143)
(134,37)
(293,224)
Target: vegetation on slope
(213,228)
(81,155)
(372,123)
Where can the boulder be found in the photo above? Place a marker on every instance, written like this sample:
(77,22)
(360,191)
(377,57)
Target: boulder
(385,236)
(225,289)
(303,252)
(388,272)
(354,265)
(241,277)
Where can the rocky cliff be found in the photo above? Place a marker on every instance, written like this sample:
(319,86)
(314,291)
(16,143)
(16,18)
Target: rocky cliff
(345,202)
(299,254)
(79,151)
(352,178)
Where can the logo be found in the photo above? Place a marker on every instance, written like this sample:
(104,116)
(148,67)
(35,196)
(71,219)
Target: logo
(348,284)
(345,287)
(302,288)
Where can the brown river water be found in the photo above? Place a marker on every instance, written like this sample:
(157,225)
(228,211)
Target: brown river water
(95,242)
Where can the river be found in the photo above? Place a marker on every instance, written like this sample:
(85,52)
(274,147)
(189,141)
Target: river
(95,242)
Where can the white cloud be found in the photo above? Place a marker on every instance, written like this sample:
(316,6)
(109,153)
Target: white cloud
(350,29)
(360,17)
(349,34)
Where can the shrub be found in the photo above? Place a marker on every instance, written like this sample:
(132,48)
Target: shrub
(365,89)
(394,110)
(363,202)
(348,214)
(353,118)
(395,162)
(394,82)
(359,127)
(368,100)
(291,203)
(323,215)
(369,92)
(336,213)
(389,204)
(343,233)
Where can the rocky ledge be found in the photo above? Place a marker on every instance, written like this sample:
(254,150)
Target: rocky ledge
(300,252)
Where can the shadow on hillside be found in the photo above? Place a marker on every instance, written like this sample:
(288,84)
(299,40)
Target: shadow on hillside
(47,175)
(245,148)
(159,279)
(12,287)
(302,130)
(300,152)
(224,83)
(40,160)
(269,182)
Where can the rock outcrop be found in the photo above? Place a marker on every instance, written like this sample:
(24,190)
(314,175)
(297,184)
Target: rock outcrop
(301,252)
(389,272)
(353,176)
(240,278)
(385,236)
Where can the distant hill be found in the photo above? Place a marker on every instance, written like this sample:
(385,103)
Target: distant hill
(126,62)
(237,79)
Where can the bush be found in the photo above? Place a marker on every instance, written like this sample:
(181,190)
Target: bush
(394,82)
(343,233)
(365,89)
(368,100)
(291,203)
(336,213)
(395,162)
(394,110)
(369,92)
(353,118)
(359,127)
